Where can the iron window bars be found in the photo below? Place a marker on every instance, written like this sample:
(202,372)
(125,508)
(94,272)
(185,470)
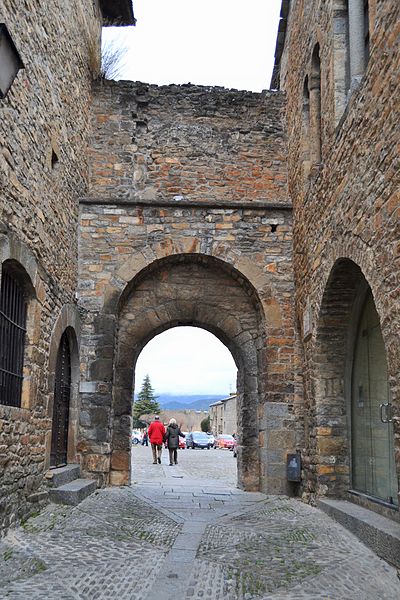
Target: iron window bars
(12,339)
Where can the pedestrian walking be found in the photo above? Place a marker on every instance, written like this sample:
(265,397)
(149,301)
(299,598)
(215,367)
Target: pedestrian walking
(156,433)
(172,436)
(145,439)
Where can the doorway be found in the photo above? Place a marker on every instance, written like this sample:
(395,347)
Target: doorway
(62,395)
(373,464)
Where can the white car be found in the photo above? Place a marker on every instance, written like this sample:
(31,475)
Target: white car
(211,438)
(137,436)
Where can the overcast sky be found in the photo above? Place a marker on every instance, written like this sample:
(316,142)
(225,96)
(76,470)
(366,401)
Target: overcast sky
(186,360)
(230,43)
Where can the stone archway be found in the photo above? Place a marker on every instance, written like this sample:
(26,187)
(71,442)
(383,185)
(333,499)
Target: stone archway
(342,304)
(200,291)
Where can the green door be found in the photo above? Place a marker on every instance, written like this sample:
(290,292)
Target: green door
(373,466)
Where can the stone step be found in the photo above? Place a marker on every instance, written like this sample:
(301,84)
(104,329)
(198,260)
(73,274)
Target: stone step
(73,492)
(381,534)
(62,475)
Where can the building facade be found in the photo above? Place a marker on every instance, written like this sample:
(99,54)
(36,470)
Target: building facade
(44,122)
(223,416)
(341,79)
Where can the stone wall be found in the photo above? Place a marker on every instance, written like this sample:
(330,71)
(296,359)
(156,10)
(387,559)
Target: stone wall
(187,142)
(43,171)
(184,173)
(346,210)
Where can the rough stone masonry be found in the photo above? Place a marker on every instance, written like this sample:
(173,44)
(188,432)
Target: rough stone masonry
(188,184)
(44,124)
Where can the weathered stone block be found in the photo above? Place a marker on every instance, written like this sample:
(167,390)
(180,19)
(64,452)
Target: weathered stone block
(119,478)
(120,461)
(96,463)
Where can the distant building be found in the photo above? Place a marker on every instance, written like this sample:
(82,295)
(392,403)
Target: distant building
(223,416)
(188,420)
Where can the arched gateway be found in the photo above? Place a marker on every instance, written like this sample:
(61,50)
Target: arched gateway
(200,291)
(354,408)
(188,221)
(204,291)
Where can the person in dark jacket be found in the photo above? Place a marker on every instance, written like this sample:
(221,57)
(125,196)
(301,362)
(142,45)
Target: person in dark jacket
(172,437)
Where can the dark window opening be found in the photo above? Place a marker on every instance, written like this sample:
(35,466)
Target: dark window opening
(315,107)
(305,141)
(54,159)
(12,338)
(366,32)
(274,227)
(141,126)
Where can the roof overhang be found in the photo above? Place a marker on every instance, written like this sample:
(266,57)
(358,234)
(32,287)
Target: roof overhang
(280,43)
(117,12)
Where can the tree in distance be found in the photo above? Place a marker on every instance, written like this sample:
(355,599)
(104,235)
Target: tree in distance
(205,424)
(145,404)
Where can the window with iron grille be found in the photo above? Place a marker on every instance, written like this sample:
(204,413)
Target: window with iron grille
(12,338)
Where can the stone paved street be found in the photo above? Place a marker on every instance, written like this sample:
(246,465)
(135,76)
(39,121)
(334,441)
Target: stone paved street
(186,532)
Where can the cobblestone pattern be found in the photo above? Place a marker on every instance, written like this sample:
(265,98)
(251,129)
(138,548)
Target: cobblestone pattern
(347,208)
(110,546)
(191,142)
(214,542)
(43,171)
(290,550)
(215,465)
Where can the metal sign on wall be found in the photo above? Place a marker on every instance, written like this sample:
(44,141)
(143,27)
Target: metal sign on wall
(294,467)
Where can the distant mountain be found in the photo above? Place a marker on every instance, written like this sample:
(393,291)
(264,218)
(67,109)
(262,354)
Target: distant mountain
(192,402)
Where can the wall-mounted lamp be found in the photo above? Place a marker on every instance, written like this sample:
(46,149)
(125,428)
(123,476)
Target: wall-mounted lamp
(10,61)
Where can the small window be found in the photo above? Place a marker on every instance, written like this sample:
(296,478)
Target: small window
(315,107)
(305,137)
(13,308)
(366,33)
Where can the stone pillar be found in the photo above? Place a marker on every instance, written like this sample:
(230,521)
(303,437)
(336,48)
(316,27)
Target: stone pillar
(356,41)
(278,439)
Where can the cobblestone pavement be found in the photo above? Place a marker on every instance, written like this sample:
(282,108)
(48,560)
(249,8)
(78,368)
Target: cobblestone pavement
(186,532)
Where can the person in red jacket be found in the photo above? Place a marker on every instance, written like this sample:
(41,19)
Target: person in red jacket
(156,434)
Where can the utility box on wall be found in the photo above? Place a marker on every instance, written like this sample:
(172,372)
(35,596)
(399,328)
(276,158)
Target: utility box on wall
(294,467)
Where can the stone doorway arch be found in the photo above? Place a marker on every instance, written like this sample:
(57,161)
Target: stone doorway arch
(343,304)
(68,325)
(204,292)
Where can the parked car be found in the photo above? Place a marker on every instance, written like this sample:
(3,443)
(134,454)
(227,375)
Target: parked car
(182,443)
(197,439)
(211,438)
(224,441)
(137,436)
